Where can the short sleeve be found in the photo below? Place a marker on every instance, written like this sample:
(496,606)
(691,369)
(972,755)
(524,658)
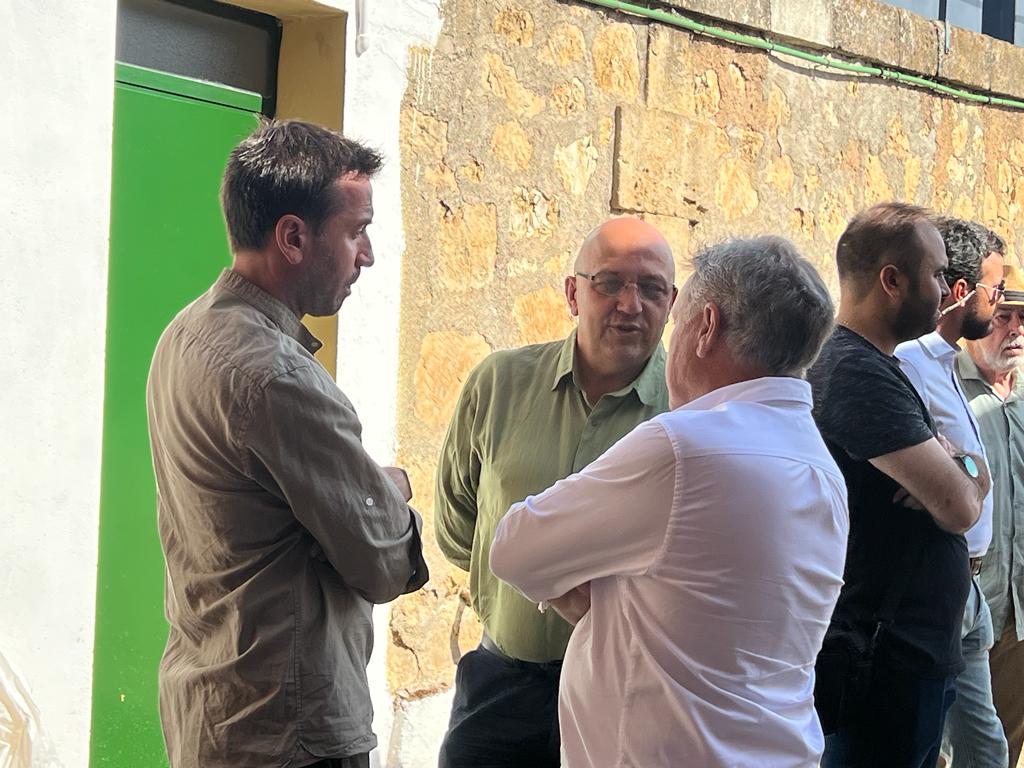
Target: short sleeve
(868,408)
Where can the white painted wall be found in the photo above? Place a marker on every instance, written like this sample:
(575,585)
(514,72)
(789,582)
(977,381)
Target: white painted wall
(58,95)
(375,83)
(57,58)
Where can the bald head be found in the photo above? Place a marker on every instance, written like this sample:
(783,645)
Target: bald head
(621,290)
(625,235)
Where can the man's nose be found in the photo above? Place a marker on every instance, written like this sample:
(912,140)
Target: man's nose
(366,255)
(945,288)
(628,299)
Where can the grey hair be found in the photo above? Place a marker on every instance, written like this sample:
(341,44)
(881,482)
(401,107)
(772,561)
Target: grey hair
(775,309)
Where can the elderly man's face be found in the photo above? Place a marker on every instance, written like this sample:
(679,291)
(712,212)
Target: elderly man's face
(682,368)
(1003,349)
(623,303)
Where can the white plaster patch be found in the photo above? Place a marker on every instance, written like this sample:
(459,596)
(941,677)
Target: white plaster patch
(53,282)
(419,728)
(368,328)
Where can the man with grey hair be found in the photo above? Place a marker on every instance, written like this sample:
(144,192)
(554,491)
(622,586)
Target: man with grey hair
(990,372)
(701,556)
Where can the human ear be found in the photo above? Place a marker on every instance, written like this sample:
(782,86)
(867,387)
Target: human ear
(290,235)
(709,329)
(570,295)
(891,279)
(959,289)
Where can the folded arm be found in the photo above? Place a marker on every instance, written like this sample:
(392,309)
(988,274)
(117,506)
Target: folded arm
(938,482)
(609,519)
(306,439)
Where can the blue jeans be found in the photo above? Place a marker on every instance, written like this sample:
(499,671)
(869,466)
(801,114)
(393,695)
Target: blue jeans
(898,725)
(974,735)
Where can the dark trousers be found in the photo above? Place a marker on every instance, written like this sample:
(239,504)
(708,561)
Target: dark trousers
(505,714)
(352,761)
(898,724)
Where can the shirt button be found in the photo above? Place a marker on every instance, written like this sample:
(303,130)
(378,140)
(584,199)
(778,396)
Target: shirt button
(369,501)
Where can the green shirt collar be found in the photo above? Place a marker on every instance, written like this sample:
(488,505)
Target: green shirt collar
(648,385)
(968,371)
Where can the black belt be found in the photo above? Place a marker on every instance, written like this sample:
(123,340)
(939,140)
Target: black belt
(492,647)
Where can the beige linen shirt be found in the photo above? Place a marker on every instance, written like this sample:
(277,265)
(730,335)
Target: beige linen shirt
(278,531)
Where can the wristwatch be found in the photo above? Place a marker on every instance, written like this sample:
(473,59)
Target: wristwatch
(969,465)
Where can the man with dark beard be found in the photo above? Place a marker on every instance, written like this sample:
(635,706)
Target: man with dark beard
(989,371)
(974,736)
(892,651)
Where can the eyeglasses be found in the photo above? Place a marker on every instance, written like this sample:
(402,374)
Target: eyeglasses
(612,285)
(997,292)
(1001,318)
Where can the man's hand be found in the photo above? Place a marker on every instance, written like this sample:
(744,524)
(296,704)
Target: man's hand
(902,496)
(574,604)
(400,479)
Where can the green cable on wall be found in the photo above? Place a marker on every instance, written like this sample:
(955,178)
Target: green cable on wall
(738,38)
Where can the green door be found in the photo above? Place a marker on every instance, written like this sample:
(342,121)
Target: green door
(172,137)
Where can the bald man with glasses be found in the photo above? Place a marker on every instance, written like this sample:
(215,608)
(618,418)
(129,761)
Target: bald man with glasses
(525,419)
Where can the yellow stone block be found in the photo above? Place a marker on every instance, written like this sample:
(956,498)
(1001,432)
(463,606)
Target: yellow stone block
(446,358)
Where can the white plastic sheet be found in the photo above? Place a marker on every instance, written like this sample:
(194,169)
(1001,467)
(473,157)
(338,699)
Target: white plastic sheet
(23,744)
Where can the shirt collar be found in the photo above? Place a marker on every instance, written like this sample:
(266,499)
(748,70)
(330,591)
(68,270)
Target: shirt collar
(648,385)
(764,389)
(274,309)
(938,348)
(968,370)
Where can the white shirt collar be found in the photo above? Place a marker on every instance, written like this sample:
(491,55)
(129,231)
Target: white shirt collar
(774,388)
(938,348)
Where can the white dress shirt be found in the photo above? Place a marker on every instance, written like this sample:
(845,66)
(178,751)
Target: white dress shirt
(713,538)
(928,363)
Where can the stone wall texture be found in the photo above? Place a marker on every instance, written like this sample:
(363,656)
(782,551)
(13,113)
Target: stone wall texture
(532,121)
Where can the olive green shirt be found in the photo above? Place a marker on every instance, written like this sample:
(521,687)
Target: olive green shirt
(521,424)
(1002,434)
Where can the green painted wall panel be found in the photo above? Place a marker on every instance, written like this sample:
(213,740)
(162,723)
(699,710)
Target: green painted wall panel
(167,244)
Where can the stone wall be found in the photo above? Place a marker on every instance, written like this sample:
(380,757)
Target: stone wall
(533,120)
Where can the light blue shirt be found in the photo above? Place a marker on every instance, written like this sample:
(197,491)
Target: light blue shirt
(928,363)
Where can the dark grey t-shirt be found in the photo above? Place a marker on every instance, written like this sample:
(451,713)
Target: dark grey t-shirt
(865,407)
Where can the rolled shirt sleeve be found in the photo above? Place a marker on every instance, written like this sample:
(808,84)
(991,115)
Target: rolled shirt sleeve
(610,519)
(305,440)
